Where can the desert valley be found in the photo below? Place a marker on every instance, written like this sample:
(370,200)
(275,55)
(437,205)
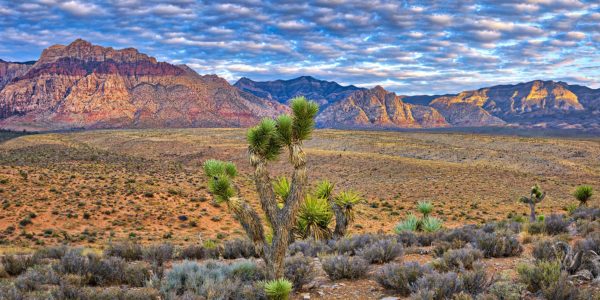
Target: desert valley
(126,177)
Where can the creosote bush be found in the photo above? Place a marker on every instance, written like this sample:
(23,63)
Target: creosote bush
(400,277)
(342,266)
(381,251)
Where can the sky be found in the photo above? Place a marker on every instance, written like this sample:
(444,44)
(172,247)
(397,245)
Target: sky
(410,47)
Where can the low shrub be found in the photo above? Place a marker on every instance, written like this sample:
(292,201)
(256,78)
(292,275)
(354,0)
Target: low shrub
(588,213)
(342,266)
(475,281)
(465,234)
(53,252)
(498,244)
(213,280)
(561,289)
(555,224)
(126,250)
(407,238)
(546,250)
(352,244)
(505,290)
(308,247)
(381,251)
(439,286)
(535,228)
(592,242)
(540,275)
(136,274)
(400,277)
(158,254)
(238,248)
(458,259)
(73,262)
(17,264)
(36,276)
(299,269)
(107,271)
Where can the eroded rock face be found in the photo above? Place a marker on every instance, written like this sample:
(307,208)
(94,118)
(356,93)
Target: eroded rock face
(378,108)
(10,70)
(86,86)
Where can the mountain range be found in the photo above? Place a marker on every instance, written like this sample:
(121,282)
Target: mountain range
(85,86)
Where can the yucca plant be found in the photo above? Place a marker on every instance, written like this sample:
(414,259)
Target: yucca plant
(281,187)
(425,208)
(411,223)
(431,224)
(342,205)
(278,289)
(583,193)
(535,196)
(266,141)
(314,218)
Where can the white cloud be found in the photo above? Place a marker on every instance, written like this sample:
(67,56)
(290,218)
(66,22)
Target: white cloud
(80,9)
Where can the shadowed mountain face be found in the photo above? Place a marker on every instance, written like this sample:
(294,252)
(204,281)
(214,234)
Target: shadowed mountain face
(86,86)
(378,108)
(323,92)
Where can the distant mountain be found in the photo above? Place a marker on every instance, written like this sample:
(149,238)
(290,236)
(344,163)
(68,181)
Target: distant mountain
(323,92)
(545,103)
(378,108)
(86,86)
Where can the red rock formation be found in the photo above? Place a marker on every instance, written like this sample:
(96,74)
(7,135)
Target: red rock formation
(86,86)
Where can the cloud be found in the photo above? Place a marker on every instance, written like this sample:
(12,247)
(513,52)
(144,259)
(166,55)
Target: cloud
(412,46)
(80,9)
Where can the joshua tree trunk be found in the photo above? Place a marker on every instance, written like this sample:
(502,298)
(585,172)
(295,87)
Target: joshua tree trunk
(341,223)
(532,213)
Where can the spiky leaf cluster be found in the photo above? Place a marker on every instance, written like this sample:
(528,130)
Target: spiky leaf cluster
(268,137)
(278,289)
(536,195)
(281,187)
(583,193)
(347,200)
(220,176)
(324,189)
(314,218)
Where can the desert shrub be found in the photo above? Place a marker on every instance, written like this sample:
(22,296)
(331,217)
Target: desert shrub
(351,245)
(136,274)
(475,281)
(211,280)
(465,234)
(141,294)
(73,262)
(127,250)
(400,277)
(308,247)
(105,271)
(440,247)
(498,244)
(17,264)
(439,286)
(158,254)
(585,227)
(534,228)
(545,250)
(407,238)
(425,239)
(36,276)
(381,251)
(539,275)
(53,252)
(238,248)
(588,213)
(555,224)
(513,226)
(561,289)
(458,259)
(505,290)
(342,266)
(278,289)
(192,252)
(299,269)
(592,242)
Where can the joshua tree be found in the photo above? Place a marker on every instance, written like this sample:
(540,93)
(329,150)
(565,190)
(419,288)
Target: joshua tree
(583,193)
(341,204)
(266,142)
(535,196)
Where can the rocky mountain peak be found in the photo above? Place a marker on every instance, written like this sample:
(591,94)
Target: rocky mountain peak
(86,51)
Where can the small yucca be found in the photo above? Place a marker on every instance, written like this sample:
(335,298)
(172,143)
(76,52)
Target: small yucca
(411,223)
(278,289)
(314,218)
(425,208)
(431,224)
(583,193)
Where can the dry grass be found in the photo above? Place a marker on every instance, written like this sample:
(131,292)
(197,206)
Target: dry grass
(96,186)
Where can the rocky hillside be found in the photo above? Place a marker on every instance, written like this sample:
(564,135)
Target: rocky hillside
(378,108)
(10,70)
(323,92)
(86,86)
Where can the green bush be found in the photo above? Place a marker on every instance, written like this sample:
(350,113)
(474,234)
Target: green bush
(278,289)
(411,223)
(540,275)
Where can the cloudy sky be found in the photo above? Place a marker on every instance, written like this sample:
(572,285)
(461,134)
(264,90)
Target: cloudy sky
(410,47)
